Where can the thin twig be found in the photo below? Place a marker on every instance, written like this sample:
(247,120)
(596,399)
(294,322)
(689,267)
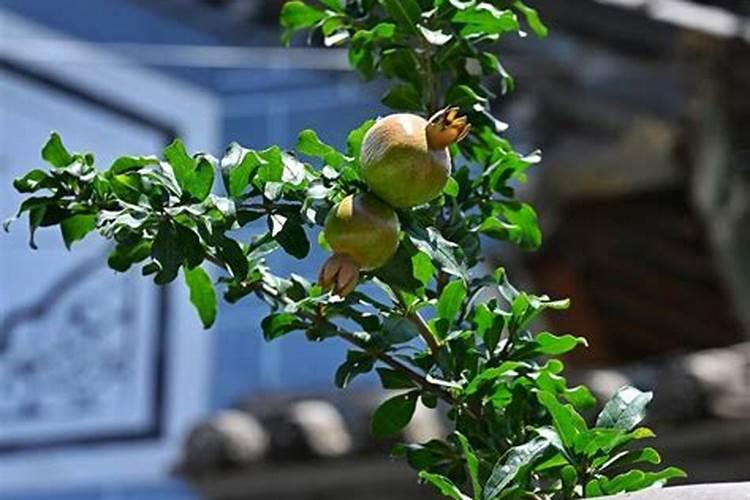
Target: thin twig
(414,376)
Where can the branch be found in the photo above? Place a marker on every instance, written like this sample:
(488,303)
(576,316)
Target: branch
(419,379)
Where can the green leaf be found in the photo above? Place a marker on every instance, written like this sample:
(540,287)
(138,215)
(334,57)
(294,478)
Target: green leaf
(444,485)
(54,152)
(308,143)
(356,136)
(512,463)
(393,379)
(554,345)
(296,16)
(336,5)
(399,270)
(202,180)
(406,13)
(451,301)
(290,235)
(435,37)
(568,423)
(593,441)
(126,164)
(580,396)
(33,181)
(202,294)
(472,464)
(490,375)
(76,228)
(532,18)
(463,96)
(357,363)
(451,188)
(125,255)
(398,330)
(491,65)
(231,252)
(635,480)
(645,455)
(182,163)
(625,410)
(279,324)
(485,19)
(394,414)
(403,97)
(423,268)
(168,252)
(401,64)
(526,232)
(238,166)
(489,325)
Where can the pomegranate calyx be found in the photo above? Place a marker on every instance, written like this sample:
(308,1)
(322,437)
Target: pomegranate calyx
(446,127)
(339,274)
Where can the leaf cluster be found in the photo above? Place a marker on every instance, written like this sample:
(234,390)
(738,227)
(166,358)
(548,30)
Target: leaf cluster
(436,327)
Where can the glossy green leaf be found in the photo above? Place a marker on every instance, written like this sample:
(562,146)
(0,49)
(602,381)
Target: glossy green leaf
(32,181)
(490,375)
(532,19)
(357,363)
(444,485)
(308,143)
(394,379)
(405,12)
(125,255)
(512,463)
(202,294)
(435,37)
(76,228)
(168,251)
(625,410)
(279,324)
(485,19)
(356,136)
(472,464)
(126,164)
(398,330)
(54,152)
(554,345)
(403,97)
(394,414)
(238,166)
(645,455)
(451,300)
(296,16)
(568,423)
(182,163)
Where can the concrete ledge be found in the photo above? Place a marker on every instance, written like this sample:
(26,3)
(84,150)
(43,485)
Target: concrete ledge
(718,491)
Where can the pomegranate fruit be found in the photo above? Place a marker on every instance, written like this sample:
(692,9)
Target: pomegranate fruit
(363,233)
(405,159)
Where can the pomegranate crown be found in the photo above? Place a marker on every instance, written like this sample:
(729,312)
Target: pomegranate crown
(339,274)
(446,127)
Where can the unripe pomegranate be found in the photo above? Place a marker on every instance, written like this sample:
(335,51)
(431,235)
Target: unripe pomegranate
(405,158)
(363,233)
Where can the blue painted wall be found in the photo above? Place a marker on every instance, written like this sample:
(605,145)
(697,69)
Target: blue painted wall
(260,108)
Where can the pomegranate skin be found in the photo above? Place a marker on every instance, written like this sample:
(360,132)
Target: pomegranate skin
(363,228)
(398,165)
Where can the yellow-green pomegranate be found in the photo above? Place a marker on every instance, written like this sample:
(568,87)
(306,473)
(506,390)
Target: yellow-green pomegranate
(405,159)
(363,233)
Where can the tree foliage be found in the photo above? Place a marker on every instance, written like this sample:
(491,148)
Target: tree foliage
(444,330)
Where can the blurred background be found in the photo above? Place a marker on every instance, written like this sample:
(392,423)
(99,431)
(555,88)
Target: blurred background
(110,389)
